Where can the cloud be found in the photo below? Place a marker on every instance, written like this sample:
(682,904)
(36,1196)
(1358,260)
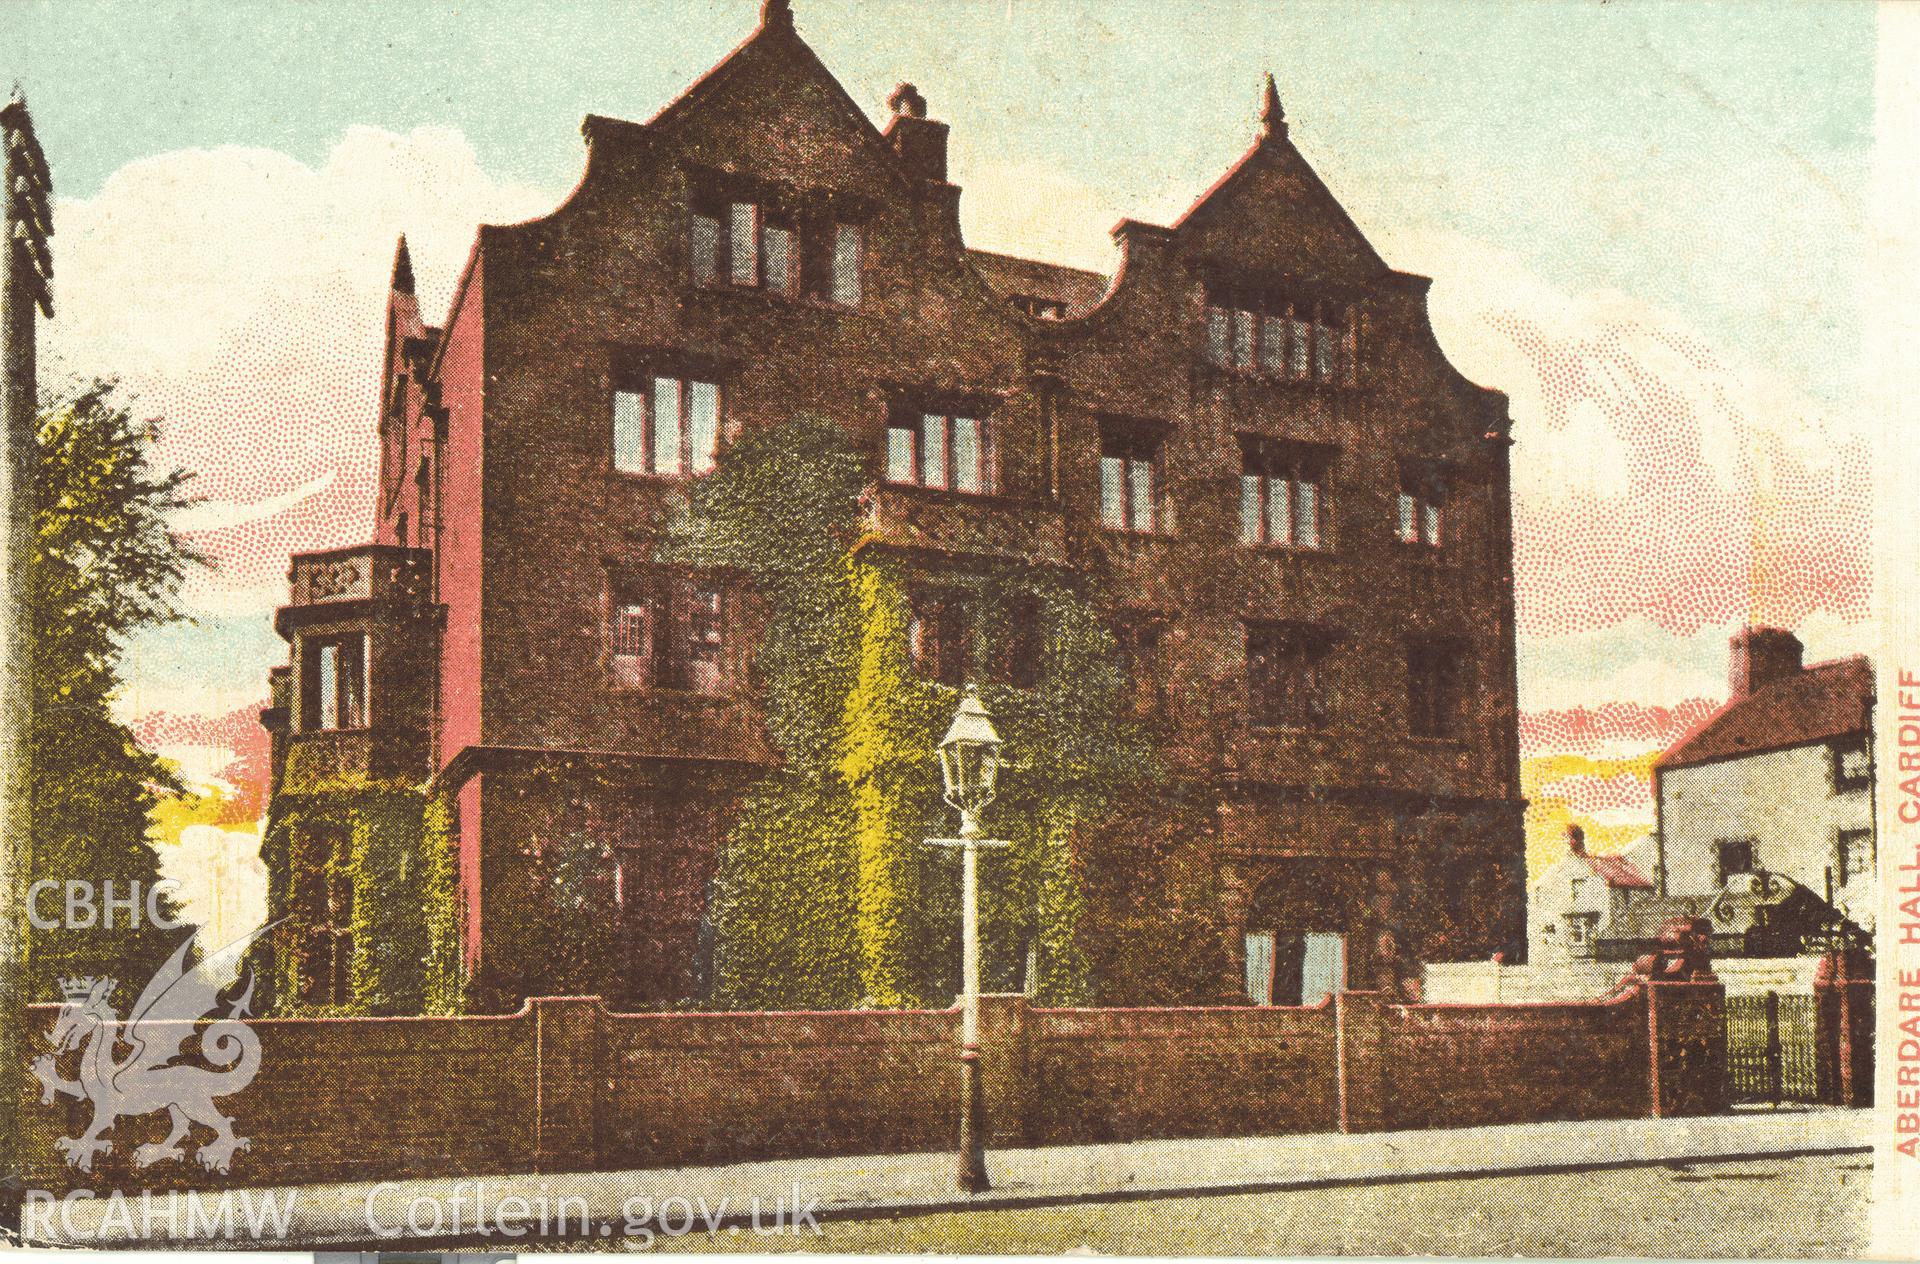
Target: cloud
(1655,476)
(220,515)
(238,294)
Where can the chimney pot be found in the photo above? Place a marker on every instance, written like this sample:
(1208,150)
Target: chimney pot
(1576,840)
(906,100)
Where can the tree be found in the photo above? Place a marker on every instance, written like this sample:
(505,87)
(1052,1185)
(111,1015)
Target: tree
(107,563)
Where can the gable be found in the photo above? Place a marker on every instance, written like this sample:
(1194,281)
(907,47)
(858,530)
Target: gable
(772,109)
(1273,214)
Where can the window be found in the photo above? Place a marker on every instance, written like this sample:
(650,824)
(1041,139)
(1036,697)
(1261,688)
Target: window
(1419,508)
(669,426)
(1282,495)
(940,636)
(334,695)
(324,899)
(940,450)
(667,632)
(1433,688)
(1582,930)
(849,255)
(1287,676)
(1301,341)
(1039,307)
(1731,857)
(1852,765)
(1853,857)
(1129,482)
(744,244)
(1015,646)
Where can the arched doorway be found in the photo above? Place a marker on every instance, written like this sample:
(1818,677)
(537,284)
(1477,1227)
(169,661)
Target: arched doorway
(1299,925)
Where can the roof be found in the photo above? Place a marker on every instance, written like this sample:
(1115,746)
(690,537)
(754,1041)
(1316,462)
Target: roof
(1819,703)
(1618,871)
(1009,275)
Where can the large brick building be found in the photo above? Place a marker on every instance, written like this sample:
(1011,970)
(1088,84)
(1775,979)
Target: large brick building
(1249,429)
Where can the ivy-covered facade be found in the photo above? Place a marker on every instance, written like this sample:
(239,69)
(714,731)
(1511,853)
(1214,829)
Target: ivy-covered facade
(717,483)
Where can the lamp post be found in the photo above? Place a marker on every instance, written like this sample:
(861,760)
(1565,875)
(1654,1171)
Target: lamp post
(969,763)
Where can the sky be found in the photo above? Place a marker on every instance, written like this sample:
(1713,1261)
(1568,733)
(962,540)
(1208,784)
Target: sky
(1645,222)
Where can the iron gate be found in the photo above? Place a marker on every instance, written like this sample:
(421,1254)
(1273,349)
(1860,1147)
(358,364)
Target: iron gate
(1771,1048)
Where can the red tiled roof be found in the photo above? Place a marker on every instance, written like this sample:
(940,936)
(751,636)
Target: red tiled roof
(1824,701)
(1618,871)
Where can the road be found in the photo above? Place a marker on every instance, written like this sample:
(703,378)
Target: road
(1778,1208)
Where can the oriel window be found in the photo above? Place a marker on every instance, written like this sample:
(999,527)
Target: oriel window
(940,635)
(334,695)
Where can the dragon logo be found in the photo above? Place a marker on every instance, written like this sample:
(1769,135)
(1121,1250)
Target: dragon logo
(155,1075)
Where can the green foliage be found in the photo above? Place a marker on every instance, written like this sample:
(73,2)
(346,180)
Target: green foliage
(782,900)
(106,565)
(444,985)
(398,864)
(826,894)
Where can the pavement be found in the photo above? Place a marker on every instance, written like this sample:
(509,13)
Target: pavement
(516,1210)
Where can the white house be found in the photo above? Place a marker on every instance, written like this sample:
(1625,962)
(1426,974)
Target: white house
(1572,905)
(1779,780)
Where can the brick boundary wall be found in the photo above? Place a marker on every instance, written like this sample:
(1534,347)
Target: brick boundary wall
(565,1085)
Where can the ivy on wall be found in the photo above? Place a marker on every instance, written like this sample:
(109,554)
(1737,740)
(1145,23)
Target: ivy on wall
(370,836)
(825,893)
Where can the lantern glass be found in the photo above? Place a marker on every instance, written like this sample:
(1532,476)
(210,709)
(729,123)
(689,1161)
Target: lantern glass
(970,756)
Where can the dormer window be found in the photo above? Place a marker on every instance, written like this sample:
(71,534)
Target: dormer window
(1040,308)
(1277,336)
(941,450)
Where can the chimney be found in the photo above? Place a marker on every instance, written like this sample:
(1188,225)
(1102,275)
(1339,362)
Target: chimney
(920,141)
(1576,840)
(1760,657)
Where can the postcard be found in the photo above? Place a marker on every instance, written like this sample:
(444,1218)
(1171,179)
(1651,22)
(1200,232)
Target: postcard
(1216,628)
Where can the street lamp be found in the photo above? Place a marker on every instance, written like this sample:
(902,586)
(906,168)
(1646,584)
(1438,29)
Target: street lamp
(969,763)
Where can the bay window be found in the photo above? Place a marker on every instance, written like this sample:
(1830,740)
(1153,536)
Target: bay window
(667,631)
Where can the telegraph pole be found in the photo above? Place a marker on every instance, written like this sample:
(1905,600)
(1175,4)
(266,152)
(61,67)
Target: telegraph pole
(26,294)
